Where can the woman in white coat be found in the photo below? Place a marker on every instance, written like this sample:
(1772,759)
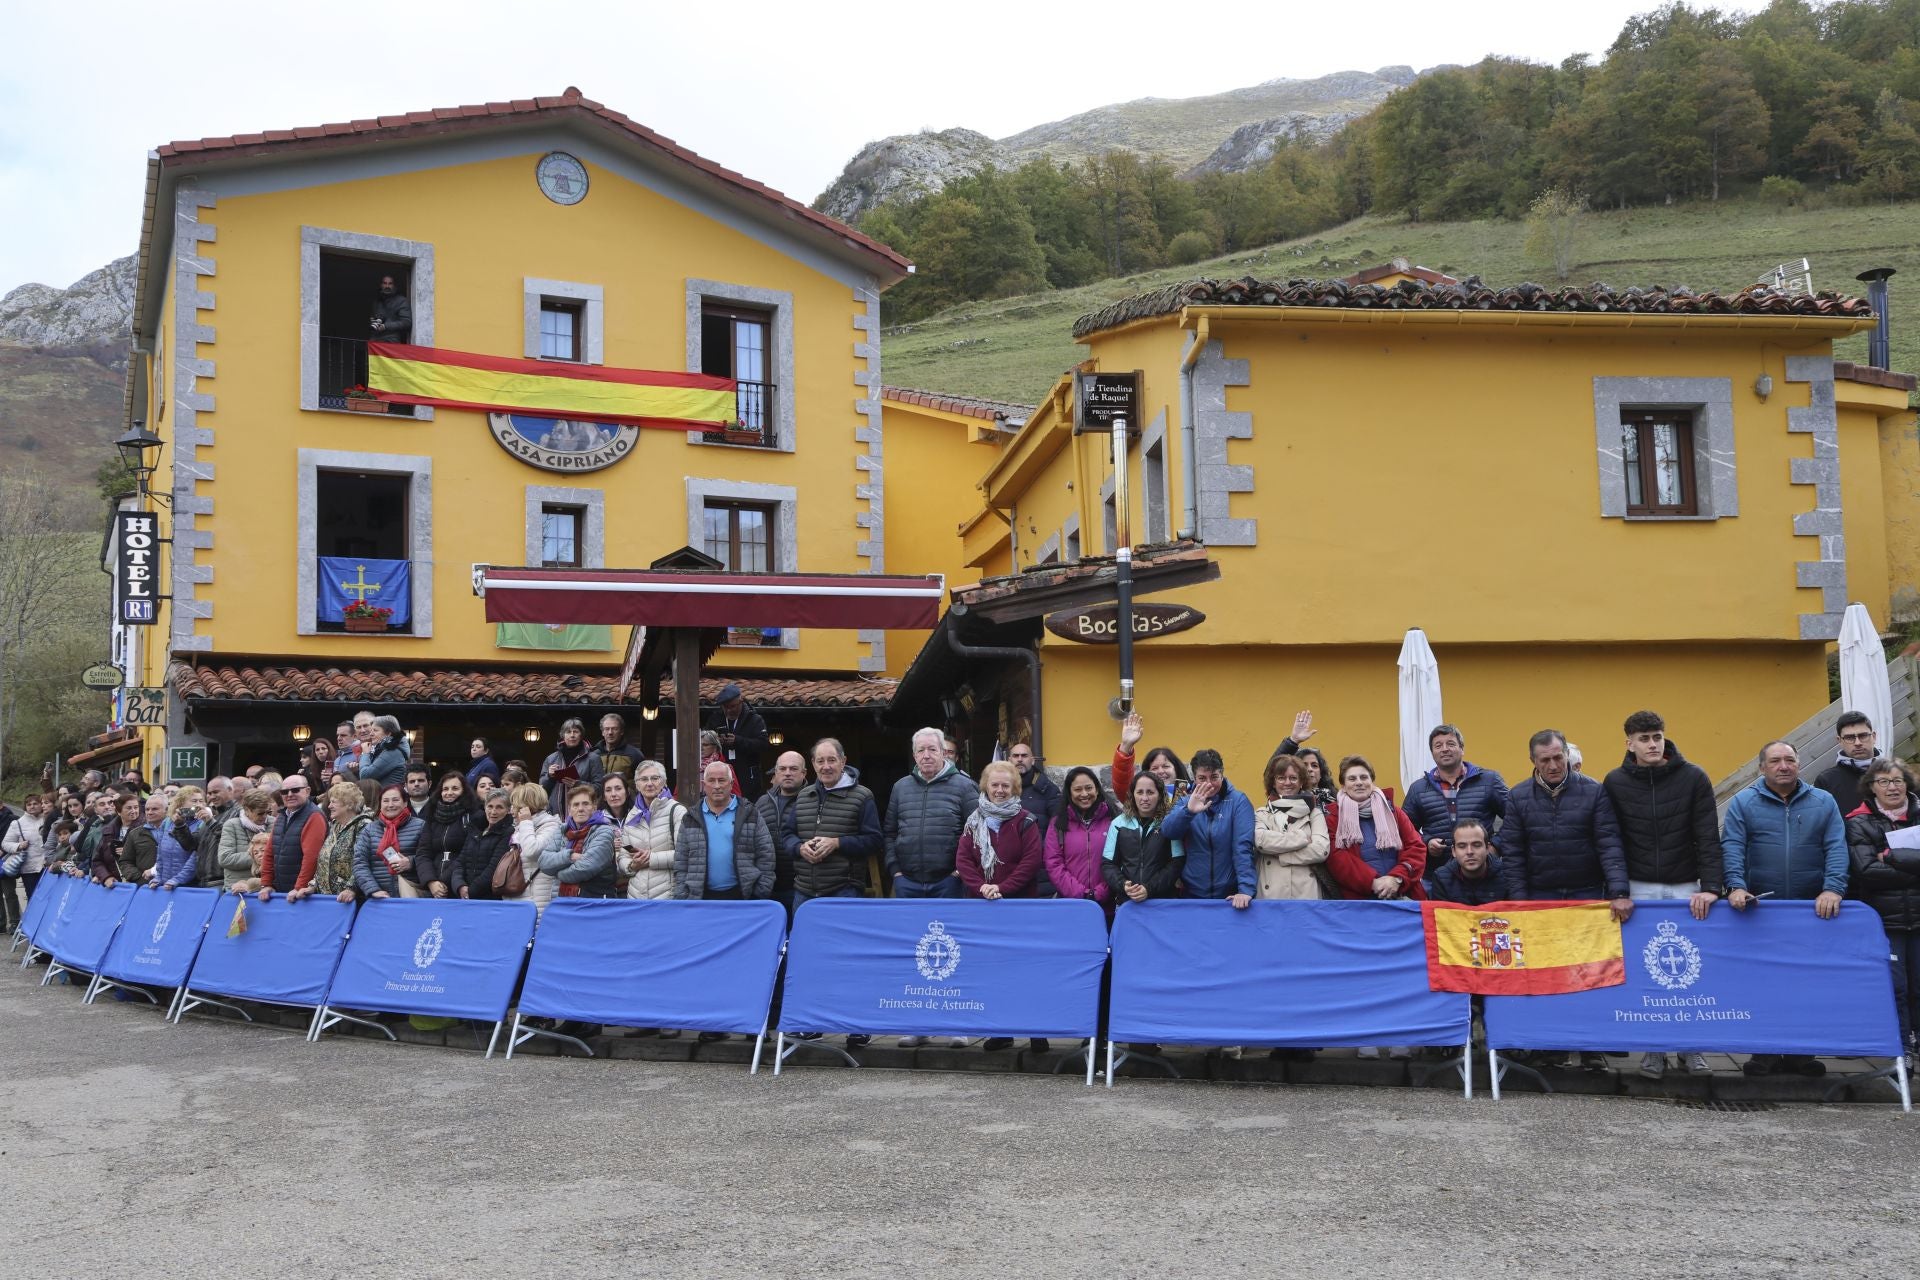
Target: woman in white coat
(533,827)
(645,850)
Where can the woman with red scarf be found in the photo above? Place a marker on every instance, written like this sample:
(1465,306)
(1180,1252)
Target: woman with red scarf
(383,862)
(579,854)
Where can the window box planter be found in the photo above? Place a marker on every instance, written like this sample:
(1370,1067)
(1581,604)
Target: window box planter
(366,406)
(352,623)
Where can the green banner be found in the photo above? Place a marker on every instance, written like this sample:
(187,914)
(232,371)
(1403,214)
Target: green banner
(572,637)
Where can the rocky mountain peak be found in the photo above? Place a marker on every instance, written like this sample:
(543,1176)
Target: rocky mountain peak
(95,309)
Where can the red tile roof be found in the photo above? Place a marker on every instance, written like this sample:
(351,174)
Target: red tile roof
(1847,371)
(218,682)
(967,406)
(488,115)
(1470,294)
(1398,267)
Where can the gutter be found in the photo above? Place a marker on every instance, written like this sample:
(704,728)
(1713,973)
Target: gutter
(1189,483)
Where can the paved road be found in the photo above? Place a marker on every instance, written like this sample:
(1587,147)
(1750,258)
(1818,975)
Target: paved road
(242,1151)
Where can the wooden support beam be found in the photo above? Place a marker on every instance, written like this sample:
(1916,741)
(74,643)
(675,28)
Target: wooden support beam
(686,713)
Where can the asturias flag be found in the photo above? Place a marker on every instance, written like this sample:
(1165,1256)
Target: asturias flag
(1522,948)
(384,584)
(403,374)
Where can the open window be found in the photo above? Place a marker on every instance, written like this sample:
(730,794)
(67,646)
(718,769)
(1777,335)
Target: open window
(351,300)
(362,543)
(736,341)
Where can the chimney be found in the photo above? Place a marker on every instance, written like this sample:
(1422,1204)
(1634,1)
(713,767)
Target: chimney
(1876,282)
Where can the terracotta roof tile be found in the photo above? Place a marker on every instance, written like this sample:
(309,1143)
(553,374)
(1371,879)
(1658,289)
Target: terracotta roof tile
(1847,371)
(1470,294)
(969,406)
(221,682)
(571,101)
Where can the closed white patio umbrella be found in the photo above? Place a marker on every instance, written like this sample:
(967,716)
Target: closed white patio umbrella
(1419,706)
(1863,674)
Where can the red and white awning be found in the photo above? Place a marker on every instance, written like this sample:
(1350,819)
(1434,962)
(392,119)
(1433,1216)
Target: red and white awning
(677,598)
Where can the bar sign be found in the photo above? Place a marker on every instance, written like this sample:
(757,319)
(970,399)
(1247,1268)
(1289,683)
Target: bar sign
(137,535)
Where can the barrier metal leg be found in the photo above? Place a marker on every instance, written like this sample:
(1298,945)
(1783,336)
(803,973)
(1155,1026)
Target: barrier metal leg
(797,1045)
(759,1043)
(33,953)
(1500,1070)
(1093,1043)
(1493,1071)
(523,1033)
(325,1018)
(93,989)
(779,1050)
(1109,1064)
(1466,1068)
(1091,1049)
(1906,1094)
(1418,1075)
(19,936)
(173,1006)
(53,971)
(1128,1055)
(102,984)
(189,1002)
(494,1039)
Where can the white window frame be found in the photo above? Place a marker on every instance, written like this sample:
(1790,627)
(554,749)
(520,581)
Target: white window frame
(534,293)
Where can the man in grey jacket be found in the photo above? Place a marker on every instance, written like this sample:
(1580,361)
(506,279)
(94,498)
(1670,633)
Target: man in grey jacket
(723,851)
(925,816)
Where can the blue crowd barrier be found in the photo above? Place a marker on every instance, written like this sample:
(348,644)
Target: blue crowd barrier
(1774,978)
(89,930)
(1305,974)
(701,966)
(286,955)
(56,916)
(424,956)
(43,895)
(939,966)
(157,942)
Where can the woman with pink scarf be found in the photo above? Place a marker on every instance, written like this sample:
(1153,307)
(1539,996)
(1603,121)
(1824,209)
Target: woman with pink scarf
(1377,852)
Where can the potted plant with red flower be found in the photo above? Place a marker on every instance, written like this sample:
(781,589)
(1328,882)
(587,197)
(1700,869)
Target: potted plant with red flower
(361,400)
(362,616)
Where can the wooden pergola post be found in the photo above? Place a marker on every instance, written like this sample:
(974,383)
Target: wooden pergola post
(686,713)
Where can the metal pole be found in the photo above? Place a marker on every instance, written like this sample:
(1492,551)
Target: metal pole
(1123,565)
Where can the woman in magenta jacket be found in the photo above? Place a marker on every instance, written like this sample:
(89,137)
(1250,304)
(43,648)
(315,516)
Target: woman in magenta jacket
(1000,849)
(1077,838)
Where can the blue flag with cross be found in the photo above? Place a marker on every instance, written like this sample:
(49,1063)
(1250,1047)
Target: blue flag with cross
(384,584)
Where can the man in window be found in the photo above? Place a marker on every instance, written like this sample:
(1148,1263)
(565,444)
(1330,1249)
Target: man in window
(1859,747)
(743,736)
(392,313)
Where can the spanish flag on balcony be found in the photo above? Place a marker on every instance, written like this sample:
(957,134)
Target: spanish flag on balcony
(403,374)
(1522,948)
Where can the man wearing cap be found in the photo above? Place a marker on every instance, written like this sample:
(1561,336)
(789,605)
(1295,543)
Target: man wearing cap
(743,736)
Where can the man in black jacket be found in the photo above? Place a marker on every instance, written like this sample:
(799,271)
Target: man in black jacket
(1670,832)
(743,736)
(1039,796)
(1560,841)
(776,807)
(832,829)
(392,314)
(1471,876)
(1454,790)
(1859,747)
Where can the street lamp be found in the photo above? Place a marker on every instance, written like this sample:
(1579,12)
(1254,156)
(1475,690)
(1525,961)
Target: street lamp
(134,447)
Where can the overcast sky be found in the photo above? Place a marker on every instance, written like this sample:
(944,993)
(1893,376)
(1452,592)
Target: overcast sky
(775,90)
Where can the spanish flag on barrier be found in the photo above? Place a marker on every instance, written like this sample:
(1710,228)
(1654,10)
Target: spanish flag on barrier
(403,374)
(1522,948)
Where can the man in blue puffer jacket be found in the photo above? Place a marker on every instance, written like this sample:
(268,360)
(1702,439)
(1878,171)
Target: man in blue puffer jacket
(1454,790)
(1784,838)
(1215,826)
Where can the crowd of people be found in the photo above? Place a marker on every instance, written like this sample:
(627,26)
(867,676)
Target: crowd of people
(361,819)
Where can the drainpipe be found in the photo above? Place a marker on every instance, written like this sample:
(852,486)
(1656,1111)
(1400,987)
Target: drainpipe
(997,651)
(1189,483)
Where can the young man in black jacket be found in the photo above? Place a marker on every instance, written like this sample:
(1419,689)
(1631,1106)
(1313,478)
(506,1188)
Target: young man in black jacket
(1670,830)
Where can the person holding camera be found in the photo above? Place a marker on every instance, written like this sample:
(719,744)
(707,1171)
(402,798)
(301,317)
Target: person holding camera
(392,319)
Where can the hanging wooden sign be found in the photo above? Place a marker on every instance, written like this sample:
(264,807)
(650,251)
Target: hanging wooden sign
(1100,624)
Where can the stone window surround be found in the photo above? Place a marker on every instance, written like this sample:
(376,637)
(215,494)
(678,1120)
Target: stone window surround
(1070,546)
(784,499)
(420,285)
(779,304)
(1049,552)
(1153,459)
(1715,470)
(593,524)
(1109,517)
(419,542)
(593,323)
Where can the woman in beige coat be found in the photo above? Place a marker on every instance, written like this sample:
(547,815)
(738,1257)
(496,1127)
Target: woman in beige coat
(645,852)
(533,827)
(1289,834)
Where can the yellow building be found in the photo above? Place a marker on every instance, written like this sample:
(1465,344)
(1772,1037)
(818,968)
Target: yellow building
(552,228)
(1591,503)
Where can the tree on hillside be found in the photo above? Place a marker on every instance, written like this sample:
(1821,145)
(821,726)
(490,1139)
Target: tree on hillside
(36,606)
(1062,221)
(1832,144)
(1890,153)
(1124,228)
(1554,224)
(1733,122)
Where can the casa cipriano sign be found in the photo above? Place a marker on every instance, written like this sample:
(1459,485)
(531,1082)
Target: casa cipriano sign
(1100,624)
(562,444)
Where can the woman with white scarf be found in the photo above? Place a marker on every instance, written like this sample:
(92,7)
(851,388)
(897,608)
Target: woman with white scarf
(1000,851)
(238,874)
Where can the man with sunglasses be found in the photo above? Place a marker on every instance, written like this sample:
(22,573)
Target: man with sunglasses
(1859,747)
(299,829)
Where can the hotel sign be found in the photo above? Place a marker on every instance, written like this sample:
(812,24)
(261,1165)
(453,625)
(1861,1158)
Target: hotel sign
(137,569)
(1100,624)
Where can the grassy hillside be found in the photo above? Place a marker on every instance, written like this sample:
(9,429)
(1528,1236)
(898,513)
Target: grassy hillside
(59,413)
(1013,348)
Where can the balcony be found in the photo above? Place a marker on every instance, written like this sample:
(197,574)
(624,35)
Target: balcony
(343,364)
(756,427)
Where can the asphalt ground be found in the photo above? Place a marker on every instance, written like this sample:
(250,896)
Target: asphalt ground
(135,1148)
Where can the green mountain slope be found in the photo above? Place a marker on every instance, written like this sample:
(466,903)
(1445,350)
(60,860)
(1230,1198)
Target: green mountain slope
(1014,348)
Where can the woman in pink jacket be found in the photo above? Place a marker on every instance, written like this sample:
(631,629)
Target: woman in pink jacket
(1076,839)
